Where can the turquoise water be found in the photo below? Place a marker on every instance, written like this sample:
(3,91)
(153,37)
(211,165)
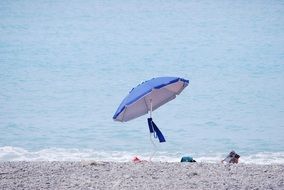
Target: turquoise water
(65,66)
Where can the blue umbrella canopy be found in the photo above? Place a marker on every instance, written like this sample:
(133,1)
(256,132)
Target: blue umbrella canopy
(147,97)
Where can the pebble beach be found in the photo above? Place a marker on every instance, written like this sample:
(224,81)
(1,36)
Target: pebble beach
(145,175)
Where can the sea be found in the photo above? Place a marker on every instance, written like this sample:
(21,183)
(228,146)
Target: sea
(65,66)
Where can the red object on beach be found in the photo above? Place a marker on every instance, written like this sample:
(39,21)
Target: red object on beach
(136,159)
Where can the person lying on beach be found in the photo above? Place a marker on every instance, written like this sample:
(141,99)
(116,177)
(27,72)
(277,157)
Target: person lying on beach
(232,158)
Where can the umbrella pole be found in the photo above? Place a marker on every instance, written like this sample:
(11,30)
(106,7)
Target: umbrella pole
(151,108)
(155,149)
(154,145)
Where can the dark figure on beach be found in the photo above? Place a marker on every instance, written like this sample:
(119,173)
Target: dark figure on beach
(187,159)
(232,158)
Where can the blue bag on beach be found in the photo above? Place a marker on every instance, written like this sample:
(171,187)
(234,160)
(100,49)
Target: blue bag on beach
(187,159)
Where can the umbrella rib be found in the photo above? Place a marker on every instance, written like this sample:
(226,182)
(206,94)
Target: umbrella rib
(124,113)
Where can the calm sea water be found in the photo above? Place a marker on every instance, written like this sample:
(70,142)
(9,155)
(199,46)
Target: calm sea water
(65,66)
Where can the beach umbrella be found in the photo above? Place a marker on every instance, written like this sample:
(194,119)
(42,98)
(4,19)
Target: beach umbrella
(147,97)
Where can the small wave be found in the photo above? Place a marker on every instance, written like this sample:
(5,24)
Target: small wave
(9,153)
(258,158)
(264,158)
